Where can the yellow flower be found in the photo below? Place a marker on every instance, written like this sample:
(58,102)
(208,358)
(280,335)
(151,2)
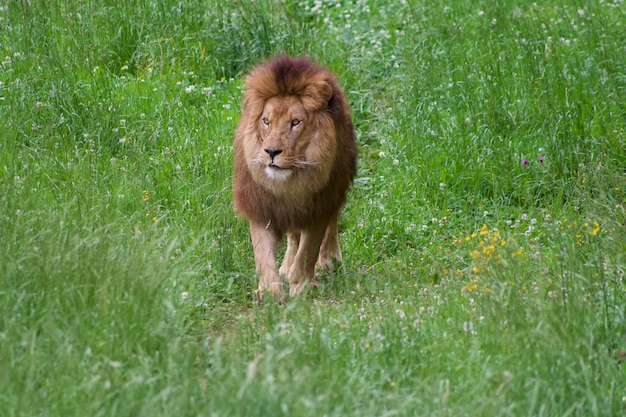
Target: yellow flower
(596,229)
(145,195)
(484,230)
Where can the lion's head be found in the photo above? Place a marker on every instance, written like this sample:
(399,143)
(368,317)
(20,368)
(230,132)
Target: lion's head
(290,142)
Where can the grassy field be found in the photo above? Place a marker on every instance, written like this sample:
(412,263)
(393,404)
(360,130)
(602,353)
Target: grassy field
(484,239)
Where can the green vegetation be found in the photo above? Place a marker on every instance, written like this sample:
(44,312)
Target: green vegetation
(484,240)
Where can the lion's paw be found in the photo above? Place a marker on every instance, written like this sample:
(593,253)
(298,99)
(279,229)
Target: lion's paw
(273,289)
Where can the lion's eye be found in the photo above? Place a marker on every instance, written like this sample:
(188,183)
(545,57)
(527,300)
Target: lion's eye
(265,121)
(295,122)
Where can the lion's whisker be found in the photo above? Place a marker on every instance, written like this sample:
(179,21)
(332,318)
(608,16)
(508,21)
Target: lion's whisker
(302,164)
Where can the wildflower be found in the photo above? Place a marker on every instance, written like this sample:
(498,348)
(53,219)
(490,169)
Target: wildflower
(115,364)
(442,186)
(184,295)
(145,195)
(468,326)
(540,159)
(596,229)
(524,162)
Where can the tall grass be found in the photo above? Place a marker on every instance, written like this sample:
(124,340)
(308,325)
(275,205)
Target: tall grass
(483,239)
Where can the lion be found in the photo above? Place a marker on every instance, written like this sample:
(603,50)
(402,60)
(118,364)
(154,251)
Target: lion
(295,154)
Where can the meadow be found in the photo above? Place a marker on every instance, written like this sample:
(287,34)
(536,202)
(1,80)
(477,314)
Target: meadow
(484,238)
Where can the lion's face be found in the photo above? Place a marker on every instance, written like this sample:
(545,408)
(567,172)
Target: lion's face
(290,145)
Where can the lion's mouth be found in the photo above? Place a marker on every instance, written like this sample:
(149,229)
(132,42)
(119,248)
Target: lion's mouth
(276,172)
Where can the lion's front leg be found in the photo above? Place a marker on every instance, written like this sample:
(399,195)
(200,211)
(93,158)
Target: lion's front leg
(330,245)
(265,242)
(302,271)
(293,241)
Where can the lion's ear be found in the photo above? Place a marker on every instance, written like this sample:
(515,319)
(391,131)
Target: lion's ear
(317,95)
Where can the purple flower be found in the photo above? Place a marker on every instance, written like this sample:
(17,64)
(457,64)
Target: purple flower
(540,159)
(524,162)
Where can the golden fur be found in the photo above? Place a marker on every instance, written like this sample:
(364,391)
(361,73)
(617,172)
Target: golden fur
(295,158)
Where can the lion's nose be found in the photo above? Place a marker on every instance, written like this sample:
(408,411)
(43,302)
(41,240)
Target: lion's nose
(272,152)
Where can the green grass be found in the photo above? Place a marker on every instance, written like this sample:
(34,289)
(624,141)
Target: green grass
(473,284)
